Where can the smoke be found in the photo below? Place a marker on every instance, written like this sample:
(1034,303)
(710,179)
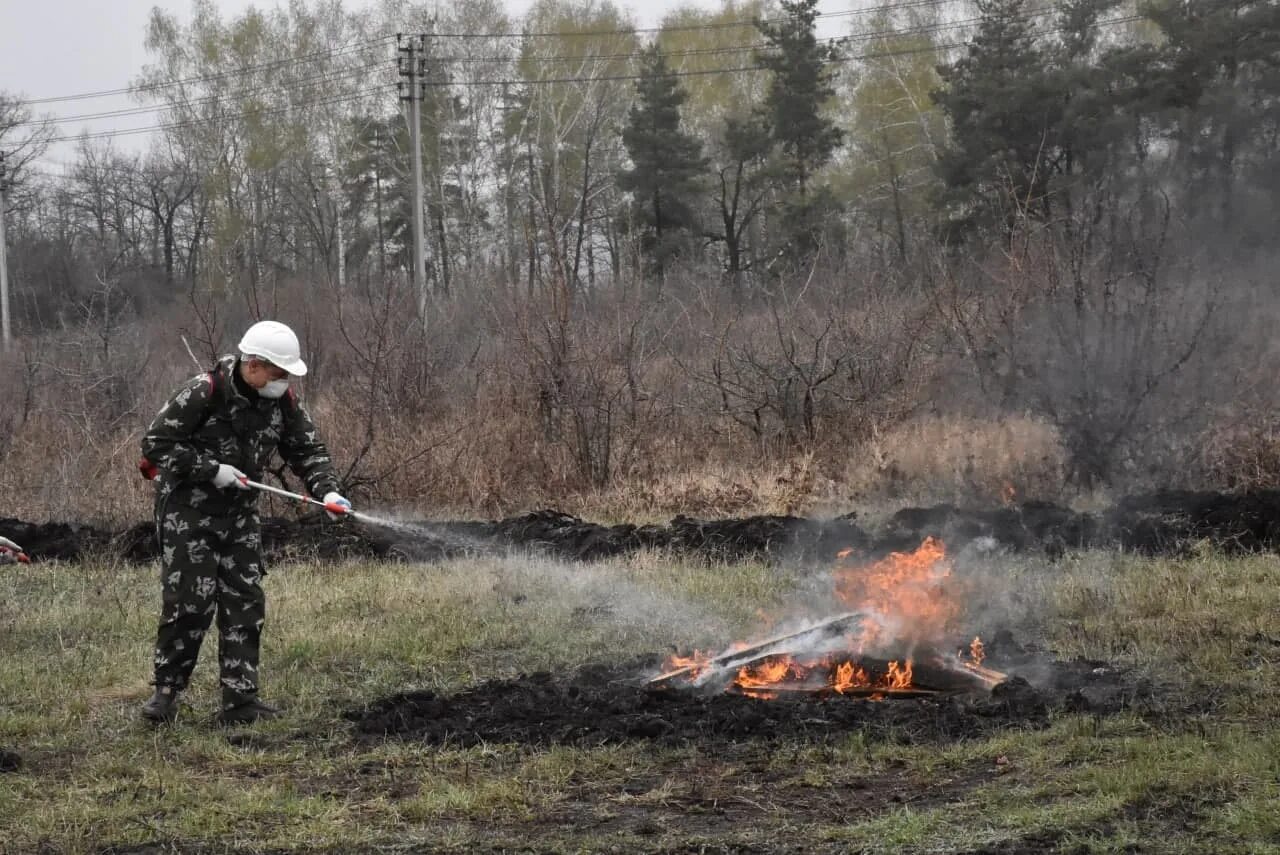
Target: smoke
(922,606)
(602,594)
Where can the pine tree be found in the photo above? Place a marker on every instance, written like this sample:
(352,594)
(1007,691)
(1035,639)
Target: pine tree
(666,162)
(1005,107)
(801,86)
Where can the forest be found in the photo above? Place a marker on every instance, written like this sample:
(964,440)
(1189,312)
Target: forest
(954,250)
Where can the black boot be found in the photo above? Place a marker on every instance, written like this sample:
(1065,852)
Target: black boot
(247,712)
(163,706)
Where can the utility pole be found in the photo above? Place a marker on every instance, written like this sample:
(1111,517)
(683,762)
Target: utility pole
(6,332)
(412,66)
(377,197)
(335,182)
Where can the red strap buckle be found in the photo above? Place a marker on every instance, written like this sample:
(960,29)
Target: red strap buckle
(148,470)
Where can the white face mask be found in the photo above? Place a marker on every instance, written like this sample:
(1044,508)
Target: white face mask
(274,389)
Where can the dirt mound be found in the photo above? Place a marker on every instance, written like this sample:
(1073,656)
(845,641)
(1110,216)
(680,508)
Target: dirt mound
(58,540)
(1171,520)
(567,536)
(552,532)
(1162,523)
(1030,525)
(311,536)
(599,704)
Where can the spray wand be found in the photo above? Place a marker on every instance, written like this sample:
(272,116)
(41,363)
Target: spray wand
(331,507)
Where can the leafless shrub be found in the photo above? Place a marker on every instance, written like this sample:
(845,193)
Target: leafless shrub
(826,362)
(19,381)
(588,379)
(392,369)
(1242,452)
(94,366)
(1096,336)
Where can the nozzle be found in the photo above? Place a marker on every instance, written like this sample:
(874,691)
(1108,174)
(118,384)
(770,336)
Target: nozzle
(335,508)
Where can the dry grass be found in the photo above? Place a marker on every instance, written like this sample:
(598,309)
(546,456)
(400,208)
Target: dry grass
(956,459)
(468,472)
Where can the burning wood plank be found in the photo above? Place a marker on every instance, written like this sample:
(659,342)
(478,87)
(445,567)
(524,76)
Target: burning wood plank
(734,658)
(930,674)
(988,676)
(828,691)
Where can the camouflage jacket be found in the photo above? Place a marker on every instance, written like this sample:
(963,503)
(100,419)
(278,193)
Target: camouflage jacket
(206,423)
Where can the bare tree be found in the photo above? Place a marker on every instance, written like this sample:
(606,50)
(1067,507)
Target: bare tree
(1093,327)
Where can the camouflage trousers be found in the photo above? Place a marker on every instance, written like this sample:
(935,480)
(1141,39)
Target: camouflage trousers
(211,567)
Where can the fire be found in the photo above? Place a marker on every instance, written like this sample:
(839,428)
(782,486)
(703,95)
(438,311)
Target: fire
(1008,493)
(848,675)
(976,651)
(899,678)
(898,600)
(905,589)
(767,677)
(772,673)
(692,666)
(769,673)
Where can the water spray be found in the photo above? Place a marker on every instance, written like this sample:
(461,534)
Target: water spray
(419,531)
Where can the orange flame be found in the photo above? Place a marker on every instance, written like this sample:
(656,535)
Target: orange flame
(1008,493)
(976,651)
(847,676)
(903,599)
(764,679)
(904,586)
(899,678)
(770,673)
(696,663)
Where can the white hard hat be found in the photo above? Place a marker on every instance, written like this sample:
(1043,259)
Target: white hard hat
(276,343)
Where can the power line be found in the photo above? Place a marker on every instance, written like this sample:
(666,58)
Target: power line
(732,49)
(339,74)
(552,80)
(248,69)
(721,25)
(265,111)
(746,68)
(328,77)
(356,46)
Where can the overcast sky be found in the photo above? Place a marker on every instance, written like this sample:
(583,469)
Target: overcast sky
(50,48)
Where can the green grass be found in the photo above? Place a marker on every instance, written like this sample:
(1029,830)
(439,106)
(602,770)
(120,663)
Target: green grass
(75,650)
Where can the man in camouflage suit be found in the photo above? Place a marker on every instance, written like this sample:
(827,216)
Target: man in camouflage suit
(218,430)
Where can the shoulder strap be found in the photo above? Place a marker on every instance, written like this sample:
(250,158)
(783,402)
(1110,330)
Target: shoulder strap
(209,405)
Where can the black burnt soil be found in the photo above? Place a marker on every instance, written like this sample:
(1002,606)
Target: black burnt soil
(599,704)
